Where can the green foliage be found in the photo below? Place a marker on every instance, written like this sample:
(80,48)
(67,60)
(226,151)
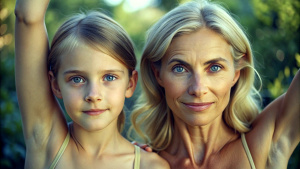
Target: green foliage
(12,143)
(272,27)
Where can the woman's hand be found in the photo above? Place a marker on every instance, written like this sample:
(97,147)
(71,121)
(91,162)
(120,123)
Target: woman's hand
(142,146)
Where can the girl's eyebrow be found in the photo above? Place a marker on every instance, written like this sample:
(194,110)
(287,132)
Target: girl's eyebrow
(104,71)
(72,72)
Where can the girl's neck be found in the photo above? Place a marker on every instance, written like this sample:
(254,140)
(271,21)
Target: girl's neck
(198,143)
(98,142)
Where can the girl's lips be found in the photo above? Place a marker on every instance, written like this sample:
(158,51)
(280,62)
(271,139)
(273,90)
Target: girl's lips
(94,112)
(197,107)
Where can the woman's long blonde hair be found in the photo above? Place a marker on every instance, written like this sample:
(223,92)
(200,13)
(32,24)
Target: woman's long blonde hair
(152,118)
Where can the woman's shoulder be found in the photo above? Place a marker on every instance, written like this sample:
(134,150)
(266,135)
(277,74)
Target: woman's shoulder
(152,160)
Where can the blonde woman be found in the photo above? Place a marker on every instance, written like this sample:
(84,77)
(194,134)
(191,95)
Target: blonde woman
(200,108)
(91,67)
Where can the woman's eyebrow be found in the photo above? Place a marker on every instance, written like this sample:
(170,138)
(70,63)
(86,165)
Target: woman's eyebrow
(216,60)
(179,61)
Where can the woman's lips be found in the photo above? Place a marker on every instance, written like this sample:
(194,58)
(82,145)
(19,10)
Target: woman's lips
(94,112)
(197,107)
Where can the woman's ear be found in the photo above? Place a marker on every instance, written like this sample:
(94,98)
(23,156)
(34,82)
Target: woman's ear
(241,64)
(236,77)
(132,84)
(54,85)
(156,71)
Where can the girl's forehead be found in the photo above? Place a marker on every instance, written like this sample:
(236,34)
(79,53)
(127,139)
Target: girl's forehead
(86,57)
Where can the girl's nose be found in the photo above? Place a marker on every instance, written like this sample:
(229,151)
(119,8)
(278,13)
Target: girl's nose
(197,86)
(93,93)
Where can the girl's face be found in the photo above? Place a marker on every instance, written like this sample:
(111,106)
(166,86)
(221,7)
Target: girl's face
(93,86)
(197,74)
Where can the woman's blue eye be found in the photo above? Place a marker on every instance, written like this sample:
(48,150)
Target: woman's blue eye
(109,78)
(178,69)
(215,68)
(77,80)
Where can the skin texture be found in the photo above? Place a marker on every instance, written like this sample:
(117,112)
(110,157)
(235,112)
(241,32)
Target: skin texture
(93,86)
(91,82)
(203,74)
(197,74)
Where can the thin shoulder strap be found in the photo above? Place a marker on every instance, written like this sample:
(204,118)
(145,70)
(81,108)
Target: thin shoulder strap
(245,145)
(60,152)
(137,157)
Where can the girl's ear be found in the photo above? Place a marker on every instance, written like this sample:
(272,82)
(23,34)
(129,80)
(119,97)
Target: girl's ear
(156,71)
(54,85)
(132,84)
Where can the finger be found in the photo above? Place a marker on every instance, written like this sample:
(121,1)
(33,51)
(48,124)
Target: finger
(148,149)
(143,146)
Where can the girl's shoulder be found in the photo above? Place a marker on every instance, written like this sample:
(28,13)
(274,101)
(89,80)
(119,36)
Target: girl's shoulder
(152,160)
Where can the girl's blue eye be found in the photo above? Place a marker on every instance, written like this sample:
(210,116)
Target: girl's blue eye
(179,69)
(215,68)
(109,78)
(77,80)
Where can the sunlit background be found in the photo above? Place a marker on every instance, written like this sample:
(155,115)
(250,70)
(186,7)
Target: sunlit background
(272,27)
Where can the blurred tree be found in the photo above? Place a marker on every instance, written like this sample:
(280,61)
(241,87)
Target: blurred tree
(277,42)
(11,142)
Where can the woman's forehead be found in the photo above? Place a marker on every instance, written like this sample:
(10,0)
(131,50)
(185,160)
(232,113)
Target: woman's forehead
(202,42)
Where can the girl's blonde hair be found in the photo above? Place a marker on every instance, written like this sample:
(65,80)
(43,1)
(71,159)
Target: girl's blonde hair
(152,118)
(98,31)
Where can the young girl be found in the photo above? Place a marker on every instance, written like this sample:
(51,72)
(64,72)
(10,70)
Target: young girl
(91,66)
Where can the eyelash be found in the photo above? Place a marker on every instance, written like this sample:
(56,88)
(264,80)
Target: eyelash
(209,68)
(74,77)
(82,80)
(179,66)
(109,75)
(214,65)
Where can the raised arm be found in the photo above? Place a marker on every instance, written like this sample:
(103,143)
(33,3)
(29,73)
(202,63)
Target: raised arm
(38,106)
(276,131)
(287,122)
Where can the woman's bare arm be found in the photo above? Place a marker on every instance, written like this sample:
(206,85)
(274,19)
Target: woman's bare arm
(287,117)
(276,131)
(38,106)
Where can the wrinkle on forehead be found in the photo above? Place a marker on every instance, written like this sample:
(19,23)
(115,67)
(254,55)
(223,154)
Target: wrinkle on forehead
(204,44)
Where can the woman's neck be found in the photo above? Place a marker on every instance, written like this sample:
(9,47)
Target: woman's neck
(198,143)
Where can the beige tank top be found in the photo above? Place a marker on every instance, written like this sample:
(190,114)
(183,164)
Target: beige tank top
(137,154)
(245,145)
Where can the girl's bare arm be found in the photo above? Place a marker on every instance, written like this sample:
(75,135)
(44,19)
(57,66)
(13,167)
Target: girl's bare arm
(38,106)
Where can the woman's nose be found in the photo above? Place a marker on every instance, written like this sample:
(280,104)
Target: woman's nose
(93,93)
(197,86)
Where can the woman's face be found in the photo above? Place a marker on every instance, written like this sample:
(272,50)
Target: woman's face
(197,74)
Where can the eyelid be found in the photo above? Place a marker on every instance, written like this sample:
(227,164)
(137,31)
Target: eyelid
(74,76)
(215,64)
(179,65)
(106,75)
(71,80)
